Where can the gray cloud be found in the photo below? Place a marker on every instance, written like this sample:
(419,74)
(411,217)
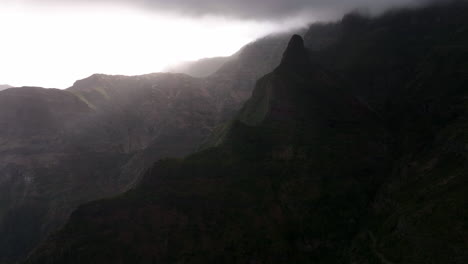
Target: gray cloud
(255,9)
(275,9)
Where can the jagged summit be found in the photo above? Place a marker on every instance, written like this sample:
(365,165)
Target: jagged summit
(296,54)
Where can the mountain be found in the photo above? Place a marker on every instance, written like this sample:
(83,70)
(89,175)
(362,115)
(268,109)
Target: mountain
(241,197)
(200,68)
(260,56)
(62,148)
(352,151)
(4,87)
(234,81)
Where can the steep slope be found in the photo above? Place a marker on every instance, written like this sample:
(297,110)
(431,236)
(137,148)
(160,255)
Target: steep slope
(284,164)
(234,79)
(411,66)
(233,83)
(377,56)
(141,109)
(420,214)
(34,122)
(62,148)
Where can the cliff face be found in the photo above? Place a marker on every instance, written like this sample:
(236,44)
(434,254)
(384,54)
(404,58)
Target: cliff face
(417,216)
(351,152)
(233,83)
(60,148)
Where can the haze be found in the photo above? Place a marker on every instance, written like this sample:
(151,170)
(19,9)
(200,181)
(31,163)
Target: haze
(53,47)
(52,43)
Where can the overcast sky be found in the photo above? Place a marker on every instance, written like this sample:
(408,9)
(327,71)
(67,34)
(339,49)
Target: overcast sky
(52,43)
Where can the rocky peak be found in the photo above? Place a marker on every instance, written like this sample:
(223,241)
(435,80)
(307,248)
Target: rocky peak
(296,54)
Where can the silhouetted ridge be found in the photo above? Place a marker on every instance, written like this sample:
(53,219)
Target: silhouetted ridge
(296,53)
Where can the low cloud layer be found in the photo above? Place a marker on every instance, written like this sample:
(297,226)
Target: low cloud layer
(250,9)
(275,9)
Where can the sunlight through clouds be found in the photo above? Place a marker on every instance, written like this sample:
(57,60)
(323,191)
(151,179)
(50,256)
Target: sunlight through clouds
(53,47)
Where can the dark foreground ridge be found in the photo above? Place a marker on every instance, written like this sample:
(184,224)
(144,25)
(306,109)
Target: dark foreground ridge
(357,157)
(296,53)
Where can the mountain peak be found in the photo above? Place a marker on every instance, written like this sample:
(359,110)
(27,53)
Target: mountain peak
(296,53)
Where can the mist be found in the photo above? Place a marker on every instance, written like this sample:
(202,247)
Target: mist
(244,9)
(52,43)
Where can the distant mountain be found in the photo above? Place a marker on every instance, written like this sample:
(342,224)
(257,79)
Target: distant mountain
(4,87)
(352,151)
(200,68)
(234,81)
(250,63)
(60,148)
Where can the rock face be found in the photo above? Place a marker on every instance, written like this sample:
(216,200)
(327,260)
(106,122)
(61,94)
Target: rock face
(296,56)
(315,168)
(62,148)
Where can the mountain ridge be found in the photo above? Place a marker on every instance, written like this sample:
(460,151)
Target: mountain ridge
(116,128)
(214,176)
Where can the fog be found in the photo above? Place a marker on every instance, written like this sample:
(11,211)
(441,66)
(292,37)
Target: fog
(245,9)
(52,43)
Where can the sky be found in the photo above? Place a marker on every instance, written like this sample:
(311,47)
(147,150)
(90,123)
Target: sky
(52,43)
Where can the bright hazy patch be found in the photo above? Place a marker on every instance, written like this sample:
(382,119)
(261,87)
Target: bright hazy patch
(54,46)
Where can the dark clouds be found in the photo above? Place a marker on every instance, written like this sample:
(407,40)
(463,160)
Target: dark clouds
(254,9)
(274,9)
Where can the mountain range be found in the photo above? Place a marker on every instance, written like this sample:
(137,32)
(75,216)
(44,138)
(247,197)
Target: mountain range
(350,148)
(61,148)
